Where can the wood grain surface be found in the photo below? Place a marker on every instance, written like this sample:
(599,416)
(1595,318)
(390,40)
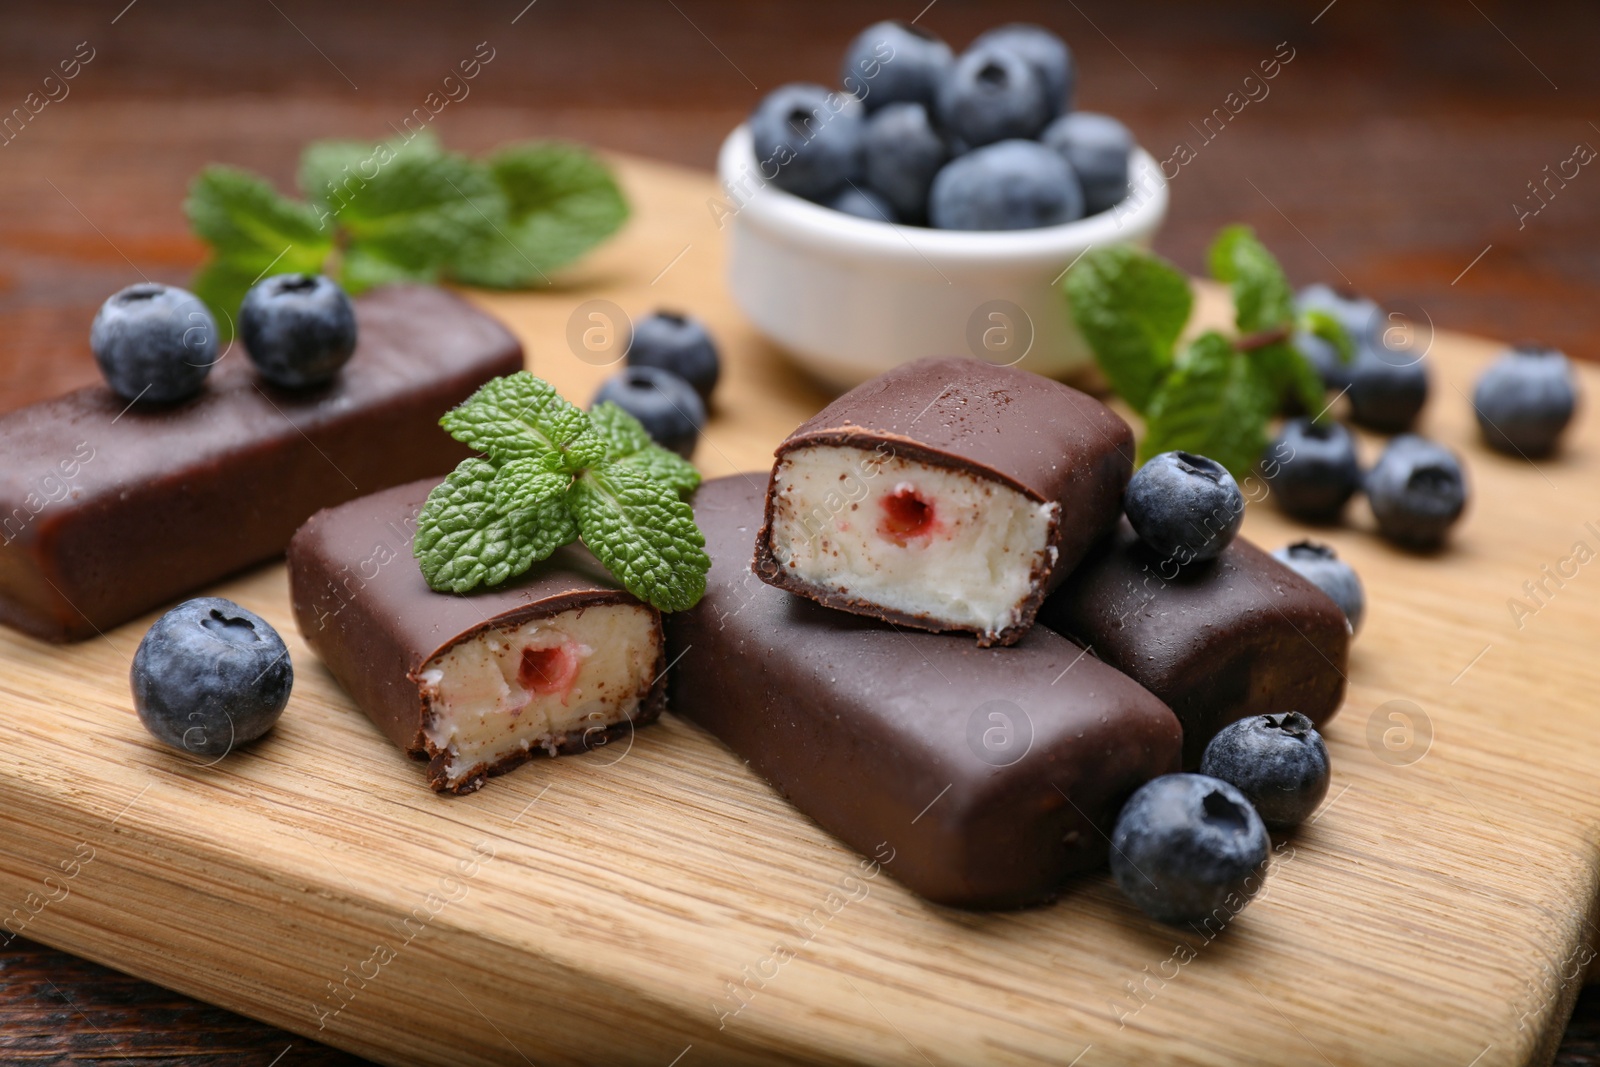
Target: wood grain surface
(596,908)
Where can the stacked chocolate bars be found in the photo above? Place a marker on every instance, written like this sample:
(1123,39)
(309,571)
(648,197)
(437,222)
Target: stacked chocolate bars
(869,640)
(950,499)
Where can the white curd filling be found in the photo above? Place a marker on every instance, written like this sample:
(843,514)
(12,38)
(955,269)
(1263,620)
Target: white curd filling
(517,688)
(909,536)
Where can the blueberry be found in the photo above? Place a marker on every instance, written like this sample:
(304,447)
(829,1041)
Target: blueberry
(1185,507)
(668,406)
(807,139)
(1322,568)
(1324,358)
(298,329)
(1098,148)
(864,204)
(1013,185)
(1417,491)
(154,343)
(678,343)
(1188,848)
(901,152)
(1388,388)
(1525,400)
(891,62)
(210,676)
(990,95)
(1046,53)
(1362,318)
(1277,761)
(1312,469)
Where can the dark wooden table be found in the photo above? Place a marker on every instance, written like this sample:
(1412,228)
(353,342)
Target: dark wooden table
(1397,152)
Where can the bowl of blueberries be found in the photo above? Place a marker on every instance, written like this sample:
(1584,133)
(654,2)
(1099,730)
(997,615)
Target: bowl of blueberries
(930,205)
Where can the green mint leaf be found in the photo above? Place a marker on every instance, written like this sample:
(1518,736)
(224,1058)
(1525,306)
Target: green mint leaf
(643,533)
(1215,403)
(332,172)
(667,468)
(407,206)
(251,230)
(628,442)
(561,202)
(1287,372)
(553,474)
(1130,306)
(624,435)
(362,268)
(1323,325)
(587,450)
(1262,298)
(524,483)
(523,417)
(464,541)
(242,217)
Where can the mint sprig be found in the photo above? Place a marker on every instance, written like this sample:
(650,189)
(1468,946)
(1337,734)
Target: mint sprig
(405,210)
(1217,395)
(559,197)
(555,474)
(1214,403)
(627,443)
(466,538)
(1131,307)
(523,417)
(643,532)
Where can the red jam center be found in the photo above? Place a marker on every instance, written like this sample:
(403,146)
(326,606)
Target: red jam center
(906,515)
(545,671)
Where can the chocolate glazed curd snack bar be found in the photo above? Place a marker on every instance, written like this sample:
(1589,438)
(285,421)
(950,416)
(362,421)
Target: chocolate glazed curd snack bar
(1238,635)
(558,660)
(108,509)
(990,775)
(947,494)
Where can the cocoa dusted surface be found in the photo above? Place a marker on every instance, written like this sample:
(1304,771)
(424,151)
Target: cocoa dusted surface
(1044,439)
(362,605)
(162,501)
(991,775)
(1238,635)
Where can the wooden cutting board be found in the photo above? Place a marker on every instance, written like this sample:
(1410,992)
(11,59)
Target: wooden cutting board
(599,909)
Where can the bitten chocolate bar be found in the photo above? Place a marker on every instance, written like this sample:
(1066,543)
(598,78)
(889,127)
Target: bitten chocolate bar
(108,510)
(559,660)
(989,774)
(1238,635)
(948,494)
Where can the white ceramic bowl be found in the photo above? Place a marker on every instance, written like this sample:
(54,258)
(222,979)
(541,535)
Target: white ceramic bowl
(850,298)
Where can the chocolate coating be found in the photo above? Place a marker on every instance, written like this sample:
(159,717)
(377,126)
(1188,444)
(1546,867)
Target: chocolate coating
(362,605)
(108,510)
(1046,440)
(1238,635)
(886,737)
